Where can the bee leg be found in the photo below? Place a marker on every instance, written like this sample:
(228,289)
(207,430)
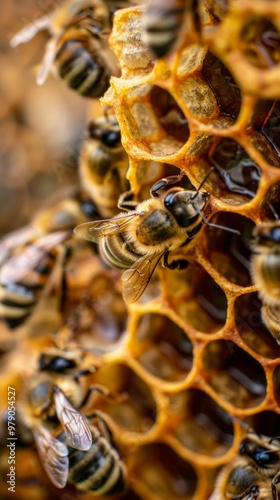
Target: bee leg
(172,179)
(102,424)
(175,264)
(84,373)
(126,201)
(275,481)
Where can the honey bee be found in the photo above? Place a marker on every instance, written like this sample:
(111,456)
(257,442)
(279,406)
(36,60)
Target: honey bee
(265,270)
(80,453)
(254,474)
(29,255)
(78,50)
(103,165)
(163,23)
(137,240)
(25,275)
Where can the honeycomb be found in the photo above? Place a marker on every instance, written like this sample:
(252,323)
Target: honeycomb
(193,351)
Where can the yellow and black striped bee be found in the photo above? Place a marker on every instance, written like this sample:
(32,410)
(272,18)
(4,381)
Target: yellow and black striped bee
(103,165)
(78,51)
(25,275)
(81,453)
(164,22)
(28,257)
(255,472)
(137,240)
(265,270)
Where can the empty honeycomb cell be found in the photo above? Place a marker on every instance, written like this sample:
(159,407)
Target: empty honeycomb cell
(198,98)
(136,410)
(266,423)
(235,375)
(271,126)
(240,174)
(276,384)
(157,119)
(260,41)
(163,347)
(203,426)
(230,253)
(171,478)
(195,296)
(191,60)
(251,328)
(212,299)
(268,153)
(219,79)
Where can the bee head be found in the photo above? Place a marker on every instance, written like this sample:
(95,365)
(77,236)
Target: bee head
(110,136)
(56,361)
(184,205)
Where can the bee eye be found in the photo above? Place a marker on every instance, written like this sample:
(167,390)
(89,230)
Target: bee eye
(111,138)
(254,489)
(181,208)
(275,234)
(55,364)
(89,209)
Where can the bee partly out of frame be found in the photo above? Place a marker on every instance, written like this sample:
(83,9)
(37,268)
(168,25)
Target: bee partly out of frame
(103,165)
(255,472)
(81,453)
(28,257)
(25,275)
(265,269)
(78,50)
(163,23)
(137,240)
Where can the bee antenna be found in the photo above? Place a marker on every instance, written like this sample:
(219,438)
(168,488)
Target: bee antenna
(203,182)
(272,209)
(217,226)
(245,426)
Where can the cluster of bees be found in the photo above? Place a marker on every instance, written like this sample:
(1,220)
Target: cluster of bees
(128,234)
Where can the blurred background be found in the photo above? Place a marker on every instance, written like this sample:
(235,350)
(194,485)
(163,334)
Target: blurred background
(41,128)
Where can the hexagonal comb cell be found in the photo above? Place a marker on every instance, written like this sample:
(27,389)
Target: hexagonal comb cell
(156,118)
(266,423)
(261,42)
(202,426)
(233,374)
(163,348)
(136,411)
(164,473)
(251,328)
(222,83)
(230,253)
(240,174)
(196,297)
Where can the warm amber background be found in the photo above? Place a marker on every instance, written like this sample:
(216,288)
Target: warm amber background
(41,128)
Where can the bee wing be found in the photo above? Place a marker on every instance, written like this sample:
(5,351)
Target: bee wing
(95,231)
(136,279)
(22,264)
(78,433)
(53,456)
(14,240)
(49,57)
(29,31)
